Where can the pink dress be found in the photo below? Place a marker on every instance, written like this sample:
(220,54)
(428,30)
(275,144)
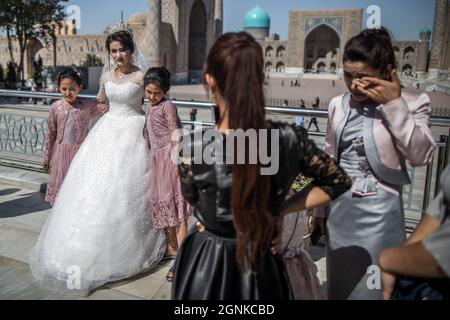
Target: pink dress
(68,126)
(300,267)
(167,205)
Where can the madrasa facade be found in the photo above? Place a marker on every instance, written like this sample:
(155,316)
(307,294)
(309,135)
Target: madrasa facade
(316,41)
(178,33)
(172,33)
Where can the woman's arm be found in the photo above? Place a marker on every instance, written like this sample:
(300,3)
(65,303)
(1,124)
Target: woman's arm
(410,128)
(97,109)
(426,226)
(101,95)
(308,198)
(414,250)
(412,260)
(145,133)
(330,180)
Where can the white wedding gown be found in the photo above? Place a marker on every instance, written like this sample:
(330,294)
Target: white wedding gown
(100,229)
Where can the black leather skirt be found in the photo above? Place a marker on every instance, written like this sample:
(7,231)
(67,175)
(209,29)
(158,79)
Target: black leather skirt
(206,269)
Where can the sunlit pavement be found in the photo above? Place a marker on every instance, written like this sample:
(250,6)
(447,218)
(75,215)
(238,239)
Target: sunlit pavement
(23,213)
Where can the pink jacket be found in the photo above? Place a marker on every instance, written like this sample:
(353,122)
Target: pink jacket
(393,134)
(57,119)
(161,122)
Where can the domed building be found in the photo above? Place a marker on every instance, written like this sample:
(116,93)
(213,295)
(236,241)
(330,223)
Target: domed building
(257,23)
(316,42)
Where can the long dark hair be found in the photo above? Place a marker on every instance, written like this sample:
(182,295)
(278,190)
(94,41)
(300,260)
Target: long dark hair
(71,74)
(236,63)
(159,76)
(372,46)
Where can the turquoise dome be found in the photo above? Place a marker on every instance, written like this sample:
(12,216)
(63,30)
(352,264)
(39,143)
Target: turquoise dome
(425,30)
(257,18)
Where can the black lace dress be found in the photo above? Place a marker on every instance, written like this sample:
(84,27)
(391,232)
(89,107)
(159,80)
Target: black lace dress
(206,267)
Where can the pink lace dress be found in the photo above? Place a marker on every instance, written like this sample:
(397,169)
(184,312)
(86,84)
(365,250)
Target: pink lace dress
(167,205)
(299,265)
(68,126)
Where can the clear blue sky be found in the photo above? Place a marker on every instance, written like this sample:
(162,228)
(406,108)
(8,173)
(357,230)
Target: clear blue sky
(405,18)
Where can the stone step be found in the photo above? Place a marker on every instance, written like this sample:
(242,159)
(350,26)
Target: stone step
(22,178)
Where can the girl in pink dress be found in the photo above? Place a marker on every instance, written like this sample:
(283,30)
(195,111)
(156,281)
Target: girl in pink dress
(168,209)
(68,126)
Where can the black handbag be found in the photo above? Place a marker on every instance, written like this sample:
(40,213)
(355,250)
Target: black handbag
(410,288)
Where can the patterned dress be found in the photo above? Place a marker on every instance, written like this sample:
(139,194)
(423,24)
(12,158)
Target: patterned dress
(167,205)
(68,126)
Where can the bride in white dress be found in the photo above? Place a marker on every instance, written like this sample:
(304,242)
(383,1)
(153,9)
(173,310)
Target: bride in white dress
(100,229)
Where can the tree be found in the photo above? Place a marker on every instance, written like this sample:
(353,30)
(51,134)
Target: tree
(92,61)
(37,76)
(11,75)
(2,74)
(6,23)
(25,20)
(49,28)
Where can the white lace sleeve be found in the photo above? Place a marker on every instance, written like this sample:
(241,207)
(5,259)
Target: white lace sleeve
(101,96)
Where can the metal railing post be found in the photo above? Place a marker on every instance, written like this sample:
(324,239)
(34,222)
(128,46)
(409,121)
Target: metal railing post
(447,151)
(441,162)
(427,189)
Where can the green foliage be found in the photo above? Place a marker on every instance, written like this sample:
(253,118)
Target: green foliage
(26,19)
(92,60)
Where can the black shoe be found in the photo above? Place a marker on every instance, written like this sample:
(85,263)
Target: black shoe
(169,278)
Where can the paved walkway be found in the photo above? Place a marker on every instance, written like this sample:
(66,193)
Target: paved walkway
(308,91)
(22,215)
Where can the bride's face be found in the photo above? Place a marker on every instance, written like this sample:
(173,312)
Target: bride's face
(121,55)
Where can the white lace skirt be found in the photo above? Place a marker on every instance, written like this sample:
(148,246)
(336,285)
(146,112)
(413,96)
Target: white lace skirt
(100,229)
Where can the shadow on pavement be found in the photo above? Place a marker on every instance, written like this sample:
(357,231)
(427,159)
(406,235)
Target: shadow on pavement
(24,204)
(7,192)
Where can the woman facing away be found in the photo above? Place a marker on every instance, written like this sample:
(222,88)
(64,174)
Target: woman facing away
(373,131)
(239,206)
(100,229)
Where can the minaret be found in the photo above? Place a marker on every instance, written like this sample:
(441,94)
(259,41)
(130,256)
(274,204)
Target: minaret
(438,45)
(153,33)
(424,49)
(218,18)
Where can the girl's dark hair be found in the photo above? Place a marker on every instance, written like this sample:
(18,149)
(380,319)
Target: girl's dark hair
(159,76)
(371,46)
(236,62)
(72,74)
(125,39)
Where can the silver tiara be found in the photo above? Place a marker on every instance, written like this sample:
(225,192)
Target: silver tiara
(119,26)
